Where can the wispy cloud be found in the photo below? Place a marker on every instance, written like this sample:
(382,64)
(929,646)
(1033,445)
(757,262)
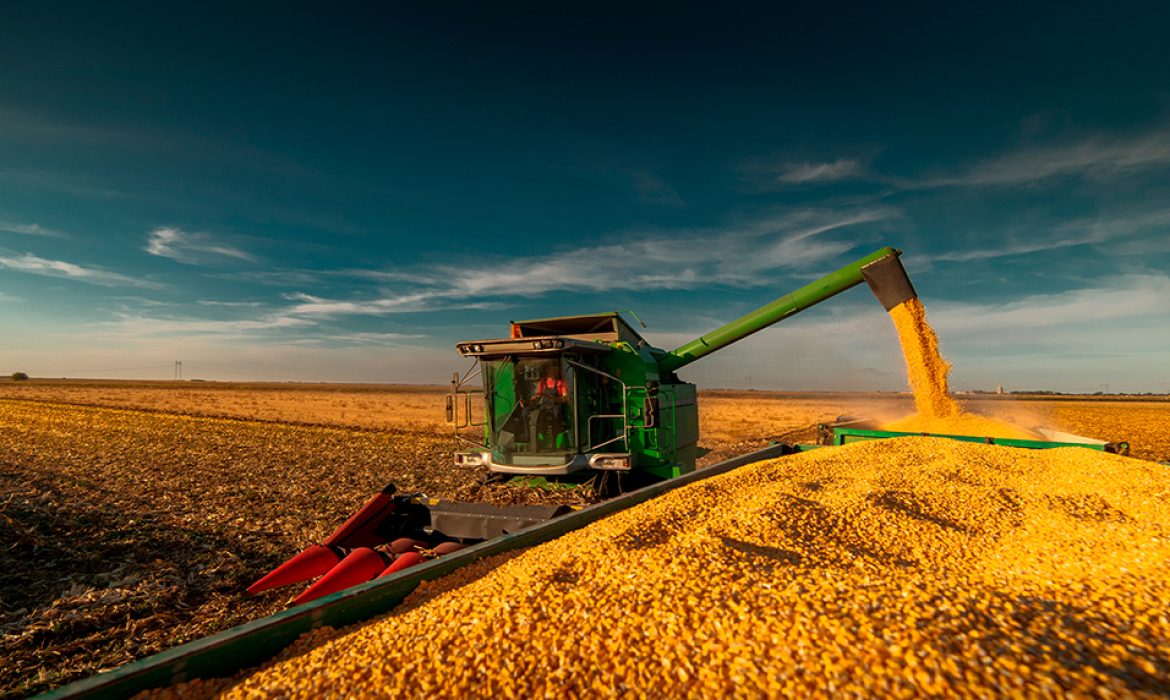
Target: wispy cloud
(134,326)
(383,340)
(743,255)
(273,329)
(770,174)
(429,300)
(229,304)
(70,183)
(1094,156)
(191,248)
(35,265)
(1112,298)
(277,277)
(808,172)
(1097,156)
(1002,250)
(30,229)
(1127,234)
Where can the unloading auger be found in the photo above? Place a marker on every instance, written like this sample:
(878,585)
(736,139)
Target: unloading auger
(568,398)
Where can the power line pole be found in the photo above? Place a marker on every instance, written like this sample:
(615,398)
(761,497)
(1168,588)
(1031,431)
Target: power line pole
(178,370)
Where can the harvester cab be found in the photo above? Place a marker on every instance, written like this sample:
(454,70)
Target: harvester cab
(568,395)
(586,394)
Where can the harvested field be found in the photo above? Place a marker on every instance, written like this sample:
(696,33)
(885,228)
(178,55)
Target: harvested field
(372,406)
(908,567)
(129,531)
(732,422)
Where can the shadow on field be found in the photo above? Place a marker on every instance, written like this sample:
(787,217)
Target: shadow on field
(79,578)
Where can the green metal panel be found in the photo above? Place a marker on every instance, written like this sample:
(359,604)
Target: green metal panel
(843,436)
(828,286)
(250,644)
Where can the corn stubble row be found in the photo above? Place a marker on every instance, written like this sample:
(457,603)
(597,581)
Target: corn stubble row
(907,566)
(123,533)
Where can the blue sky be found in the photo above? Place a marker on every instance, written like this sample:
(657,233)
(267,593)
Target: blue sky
(341,193)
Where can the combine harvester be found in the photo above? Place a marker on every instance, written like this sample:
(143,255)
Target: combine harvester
(572,399)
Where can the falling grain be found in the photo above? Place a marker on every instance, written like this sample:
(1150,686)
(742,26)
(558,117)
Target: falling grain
(937,411)
(925,366)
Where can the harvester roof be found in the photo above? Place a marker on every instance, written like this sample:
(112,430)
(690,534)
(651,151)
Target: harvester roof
(608,327)
(591,333)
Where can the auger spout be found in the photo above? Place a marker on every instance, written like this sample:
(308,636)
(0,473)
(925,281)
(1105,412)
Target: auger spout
(882,270)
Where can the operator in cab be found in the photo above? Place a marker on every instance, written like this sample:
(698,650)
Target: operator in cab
(548,420)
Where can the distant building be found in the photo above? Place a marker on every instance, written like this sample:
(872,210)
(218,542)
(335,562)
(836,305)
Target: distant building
(999,389)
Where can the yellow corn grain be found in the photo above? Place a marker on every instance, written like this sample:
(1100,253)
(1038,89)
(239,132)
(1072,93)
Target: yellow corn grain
(927,370)
(925,366)
(893,568)
(961,424)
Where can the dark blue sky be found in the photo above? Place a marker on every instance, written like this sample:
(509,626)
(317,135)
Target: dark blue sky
(341,193)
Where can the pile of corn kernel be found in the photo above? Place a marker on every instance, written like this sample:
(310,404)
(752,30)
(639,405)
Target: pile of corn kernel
(898,567)
(962,424)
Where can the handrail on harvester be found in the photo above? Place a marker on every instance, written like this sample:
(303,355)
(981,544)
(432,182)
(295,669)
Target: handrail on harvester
(881,269)
(254,642)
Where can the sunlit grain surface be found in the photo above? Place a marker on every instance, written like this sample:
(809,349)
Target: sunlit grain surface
(909,567)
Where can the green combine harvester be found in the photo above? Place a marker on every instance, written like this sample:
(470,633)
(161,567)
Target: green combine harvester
(588,394)
(569,398)
(564,399)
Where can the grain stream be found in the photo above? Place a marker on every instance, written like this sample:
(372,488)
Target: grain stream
(926,369)
(925,366)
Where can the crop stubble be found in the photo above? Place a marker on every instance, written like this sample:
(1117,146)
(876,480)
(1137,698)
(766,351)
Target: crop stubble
(127,532)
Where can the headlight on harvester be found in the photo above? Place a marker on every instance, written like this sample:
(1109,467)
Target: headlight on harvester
(469,459)
(610,462)
(547,344)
